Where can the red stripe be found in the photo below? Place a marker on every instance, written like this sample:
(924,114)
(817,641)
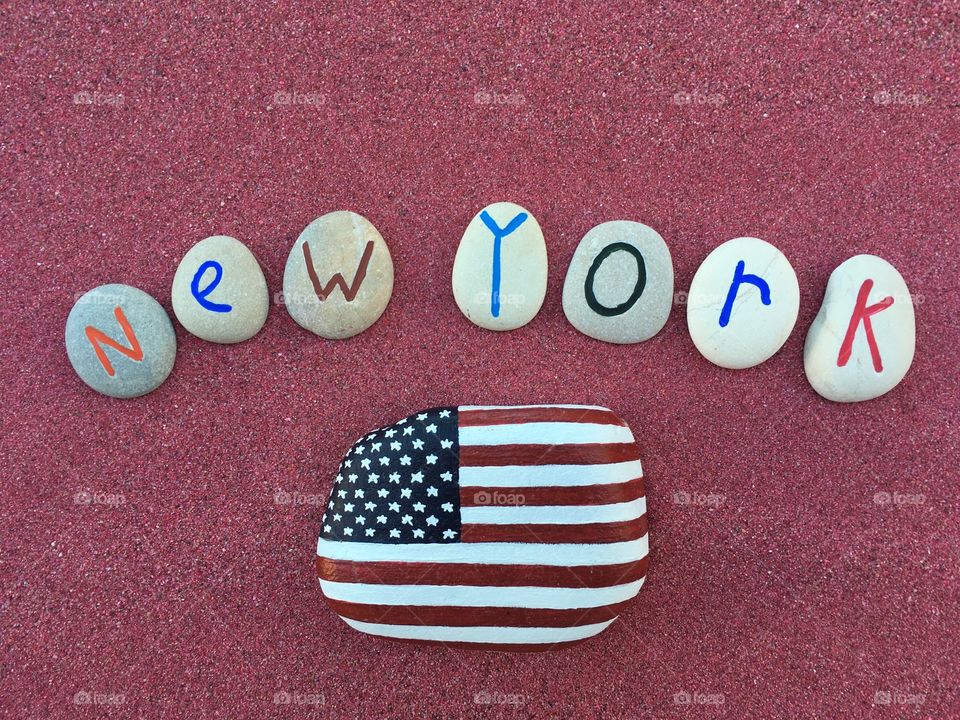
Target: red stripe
(550,495)
(509,416)
(586,454)
(407,573)
(532,533)
(495,647)
(458,616)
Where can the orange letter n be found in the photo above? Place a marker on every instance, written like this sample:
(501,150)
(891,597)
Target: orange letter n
(96,337)
(349,291)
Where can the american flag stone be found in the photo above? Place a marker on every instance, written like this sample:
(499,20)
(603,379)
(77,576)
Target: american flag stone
(513,528)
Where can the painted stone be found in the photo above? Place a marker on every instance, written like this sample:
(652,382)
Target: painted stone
(219,292)
(500,270)
(316,288)
(619,286)
(512,528)
(120,341)
(743,303)
(862,341)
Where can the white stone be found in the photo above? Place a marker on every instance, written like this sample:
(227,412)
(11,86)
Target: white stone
(742,331)
(339,276)
(520,271)
(862,374)
(619,286)
(228,301)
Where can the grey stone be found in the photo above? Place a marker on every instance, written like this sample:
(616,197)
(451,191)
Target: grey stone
(231,300)
(619,286)
(148,342)
(339,276)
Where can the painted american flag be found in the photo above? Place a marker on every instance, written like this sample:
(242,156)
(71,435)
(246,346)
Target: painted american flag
(518,528)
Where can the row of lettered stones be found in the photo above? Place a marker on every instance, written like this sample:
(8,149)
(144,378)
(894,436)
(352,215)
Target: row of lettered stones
(741,308)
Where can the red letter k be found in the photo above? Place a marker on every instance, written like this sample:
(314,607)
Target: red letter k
(861,314)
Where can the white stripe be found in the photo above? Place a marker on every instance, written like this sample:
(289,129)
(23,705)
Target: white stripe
(544,433)
(522,407)
(511,635)
(479,596)
(555,555)
(550,475)
(554,514)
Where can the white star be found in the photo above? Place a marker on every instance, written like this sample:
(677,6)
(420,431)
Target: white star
(395,478)
(448,534)
(360,449)
(408,431)
(448,507)
(416,477)
(394,506)
(358,493)
(337,516)
(384,460)
(326,528)
(369,532)
(431,428)
(419,506)
(418,533)
(431,459)
(352,477)
(369,505)
(394,533)
(361,520)
(407,520)
(418,444)
(381,519)
(347,463)
(383,492)
(339,478)
(405,492)
(395,445)
(446,444)
(348,507)
(431,491)
(365,463)
(404,459)
(444,413)
(446,476)
(431,521)
(373,478)
(422,416)
(341,493)
(390,433)
(348,531)
(375,447)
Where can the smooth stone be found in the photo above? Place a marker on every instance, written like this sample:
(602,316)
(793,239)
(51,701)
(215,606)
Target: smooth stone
(149,342)
(619,286)
(228,305)
(401,497)
(521,271)
(742,331)
(345,285)
(870,282)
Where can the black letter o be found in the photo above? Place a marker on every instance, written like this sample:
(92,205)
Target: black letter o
(637,290)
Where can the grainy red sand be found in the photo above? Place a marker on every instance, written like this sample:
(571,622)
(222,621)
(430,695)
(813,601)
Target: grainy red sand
(799,596)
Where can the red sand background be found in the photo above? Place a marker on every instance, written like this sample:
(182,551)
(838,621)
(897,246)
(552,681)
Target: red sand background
(826,132)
